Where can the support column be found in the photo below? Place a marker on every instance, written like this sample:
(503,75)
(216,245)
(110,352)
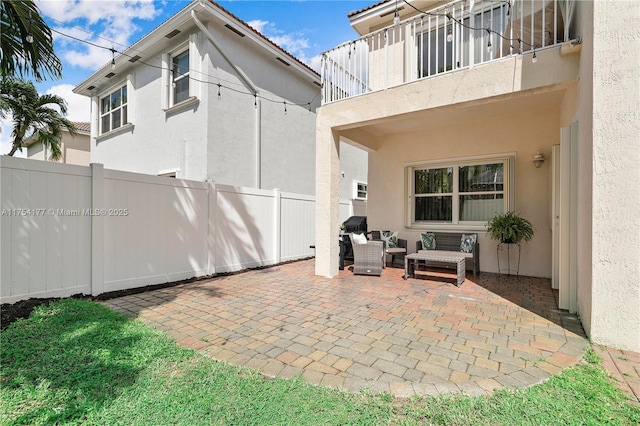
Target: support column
(327,199)
(97,229)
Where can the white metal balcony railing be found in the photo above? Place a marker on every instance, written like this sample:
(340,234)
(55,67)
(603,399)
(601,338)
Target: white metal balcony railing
(458,35)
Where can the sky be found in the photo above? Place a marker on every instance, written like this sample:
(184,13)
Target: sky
(305,28)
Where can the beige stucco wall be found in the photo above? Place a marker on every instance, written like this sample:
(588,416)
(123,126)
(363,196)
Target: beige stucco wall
(522,133)
(609,127)
(75,150)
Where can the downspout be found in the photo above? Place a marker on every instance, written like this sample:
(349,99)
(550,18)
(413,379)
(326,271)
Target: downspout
(245,80)
(258,144)
(250,86)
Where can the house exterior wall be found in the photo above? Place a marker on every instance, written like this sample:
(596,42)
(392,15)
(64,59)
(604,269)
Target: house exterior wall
(609,293)
(75,150)
(353,169)
(521,133)
(35,151)
(158,140)
(468,113)
(254,141)
(234,138)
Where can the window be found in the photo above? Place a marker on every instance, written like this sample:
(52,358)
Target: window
(113,110)
(465,193)
(360,190)
(180,77)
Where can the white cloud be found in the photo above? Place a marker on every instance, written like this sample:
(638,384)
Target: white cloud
(295,43)
(78,106)
(105,23)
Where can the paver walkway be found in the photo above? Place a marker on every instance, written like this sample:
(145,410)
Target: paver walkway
(421,336)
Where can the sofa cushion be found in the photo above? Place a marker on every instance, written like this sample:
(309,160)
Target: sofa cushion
(391,238)
(428,241)
(467,242)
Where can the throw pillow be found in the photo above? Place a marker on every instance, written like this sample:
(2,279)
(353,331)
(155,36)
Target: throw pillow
(390,237)
(428,241)
(467,242)
(359,238)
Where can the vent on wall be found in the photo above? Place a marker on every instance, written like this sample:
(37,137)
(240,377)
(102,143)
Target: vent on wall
(135,58)
(111,74)
(173,33)
(283,61)
(229,27)
(91,87)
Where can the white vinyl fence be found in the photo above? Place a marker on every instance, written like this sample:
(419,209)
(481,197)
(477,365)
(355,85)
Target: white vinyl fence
(69,229)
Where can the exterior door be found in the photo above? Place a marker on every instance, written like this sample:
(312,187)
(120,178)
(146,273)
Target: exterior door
(564,221)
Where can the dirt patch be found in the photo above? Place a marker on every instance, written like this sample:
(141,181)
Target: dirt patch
(10,312)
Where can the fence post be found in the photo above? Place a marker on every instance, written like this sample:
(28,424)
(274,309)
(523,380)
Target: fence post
(97,229)
(277,225)
(212,213)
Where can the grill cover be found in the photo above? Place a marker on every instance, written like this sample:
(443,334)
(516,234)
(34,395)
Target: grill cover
(357,224)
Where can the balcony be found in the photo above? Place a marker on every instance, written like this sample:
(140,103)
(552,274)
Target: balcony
(459,35)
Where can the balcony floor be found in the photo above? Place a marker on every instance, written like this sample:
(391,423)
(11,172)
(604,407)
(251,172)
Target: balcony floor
(422,336)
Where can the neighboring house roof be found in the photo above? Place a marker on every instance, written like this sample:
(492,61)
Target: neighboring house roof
(82,128)
(128,57)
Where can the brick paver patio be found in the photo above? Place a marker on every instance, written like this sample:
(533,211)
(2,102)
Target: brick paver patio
(421,336)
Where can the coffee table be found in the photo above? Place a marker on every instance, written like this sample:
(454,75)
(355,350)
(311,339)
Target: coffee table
(411,260)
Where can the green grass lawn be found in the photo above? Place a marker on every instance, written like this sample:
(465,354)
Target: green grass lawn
(77,362)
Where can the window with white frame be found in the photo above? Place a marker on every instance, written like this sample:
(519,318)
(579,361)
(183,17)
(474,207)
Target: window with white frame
(180,77)
(113,110)
(466,193)
(360,190)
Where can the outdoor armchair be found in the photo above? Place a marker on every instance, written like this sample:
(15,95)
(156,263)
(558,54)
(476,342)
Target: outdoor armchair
(368,256)
(399,248)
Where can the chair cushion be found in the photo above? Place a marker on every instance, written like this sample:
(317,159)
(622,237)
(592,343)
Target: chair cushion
(391,238)
(428,241)
(359,238)
(467,242)
(445,253)
(396,250)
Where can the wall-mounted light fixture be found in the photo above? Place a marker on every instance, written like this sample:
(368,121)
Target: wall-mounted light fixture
(538,159)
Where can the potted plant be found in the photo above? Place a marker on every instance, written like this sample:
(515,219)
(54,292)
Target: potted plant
(509,228)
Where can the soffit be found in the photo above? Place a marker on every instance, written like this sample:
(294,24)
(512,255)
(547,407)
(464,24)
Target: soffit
(456,115)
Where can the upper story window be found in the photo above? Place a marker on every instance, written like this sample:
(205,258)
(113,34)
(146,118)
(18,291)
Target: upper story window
(113,110)
(464,193)
(180,77)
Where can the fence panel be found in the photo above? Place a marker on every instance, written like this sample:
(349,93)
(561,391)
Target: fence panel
(155,230)
(297,226)
(244,228)
(72,229)
(45,236)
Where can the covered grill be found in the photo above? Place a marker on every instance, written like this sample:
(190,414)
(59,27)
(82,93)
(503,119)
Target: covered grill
(355,224)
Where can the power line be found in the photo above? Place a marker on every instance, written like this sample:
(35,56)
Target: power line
(182,68)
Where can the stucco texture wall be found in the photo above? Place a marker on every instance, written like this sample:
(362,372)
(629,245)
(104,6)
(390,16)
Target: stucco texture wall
(615,294)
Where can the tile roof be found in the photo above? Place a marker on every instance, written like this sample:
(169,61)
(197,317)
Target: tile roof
(83,126)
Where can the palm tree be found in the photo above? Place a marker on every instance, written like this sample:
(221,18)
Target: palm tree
(40,117)
(26,41)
